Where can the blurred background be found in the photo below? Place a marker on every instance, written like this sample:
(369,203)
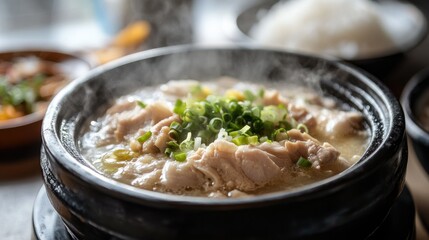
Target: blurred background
(91,28)
(99,31)
(84,26)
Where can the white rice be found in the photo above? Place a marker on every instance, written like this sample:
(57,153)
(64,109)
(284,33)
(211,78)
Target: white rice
(348,29)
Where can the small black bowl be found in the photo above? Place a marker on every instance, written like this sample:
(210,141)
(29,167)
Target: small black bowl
(415,93)
(350,205)
(239,24)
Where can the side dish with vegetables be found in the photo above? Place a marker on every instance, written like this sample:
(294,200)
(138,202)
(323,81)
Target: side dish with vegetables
(224,138)
(27,84)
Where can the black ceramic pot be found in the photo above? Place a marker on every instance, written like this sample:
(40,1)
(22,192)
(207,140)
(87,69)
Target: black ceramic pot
(350,205)
(380,65)
(414,93)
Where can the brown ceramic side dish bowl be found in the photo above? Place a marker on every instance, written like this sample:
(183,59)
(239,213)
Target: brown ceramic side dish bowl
(25,130)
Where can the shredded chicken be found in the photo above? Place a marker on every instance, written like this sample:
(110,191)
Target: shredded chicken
(273,97)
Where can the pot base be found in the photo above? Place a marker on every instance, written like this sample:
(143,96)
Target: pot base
(399,224)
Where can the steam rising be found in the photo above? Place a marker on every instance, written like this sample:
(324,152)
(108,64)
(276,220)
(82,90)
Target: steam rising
(171,23)
(257,66)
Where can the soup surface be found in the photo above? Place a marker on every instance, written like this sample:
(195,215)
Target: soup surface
(223,138)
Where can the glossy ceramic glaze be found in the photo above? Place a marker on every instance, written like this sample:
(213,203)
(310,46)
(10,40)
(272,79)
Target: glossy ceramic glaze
(350,205)
(23,131)
(379,64)
(413,92)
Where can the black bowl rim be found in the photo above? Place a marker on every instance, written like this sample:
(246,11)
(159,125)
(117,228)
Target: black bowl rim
(235,30)
(419,82)
(114,188)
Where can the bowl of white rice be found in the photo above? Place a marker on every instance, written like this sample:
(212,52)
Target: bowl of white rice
(372,35)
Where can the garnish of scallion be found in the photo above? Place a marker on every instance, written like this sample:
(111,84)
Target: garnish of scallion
(141,104)
(237,116)
(303,162)
(143,138)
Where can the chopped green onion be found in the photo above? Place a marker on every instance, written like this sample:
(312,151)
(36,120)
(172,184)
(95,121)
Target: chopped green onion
(258,125)
(234,133)
(233,127)
(242,121)
(23,94)
(303,162)
(302,127)
(141,104)
(261,93)
(172,145)
(268,114)
(240,140)
(215,125)
(188,126)
(280,134)
(245,129)
(143,138)
(187,144)
(252,140)
(179,156)
(249,95)
(173,134)
(203,119)
(226,117)
(268,128)
(256,111)
(285,124)
(188,115)
(205,135)
(247,115)
(293,121)
(176,126)
(198,109)
(197,89)
(264,139)
(234,108)
(179,107)
(168,151)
